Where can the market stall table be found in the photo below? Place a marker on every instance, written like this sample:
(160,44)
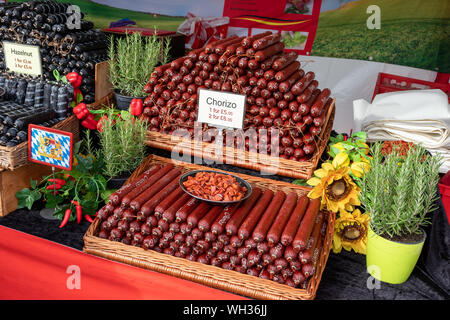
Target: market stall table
(345,275)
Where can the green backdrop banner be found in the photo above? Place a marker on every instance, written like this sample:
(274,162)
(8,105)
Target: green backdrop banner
(413,33)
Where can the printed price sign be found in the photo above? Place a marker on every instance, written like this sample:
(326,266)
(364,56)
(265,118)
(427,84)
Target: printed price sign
(221,109)
(50,147)
(22,58)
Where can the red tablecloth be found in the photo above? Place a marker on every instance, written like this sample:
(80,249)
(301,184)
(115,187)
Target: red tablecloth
(35,268)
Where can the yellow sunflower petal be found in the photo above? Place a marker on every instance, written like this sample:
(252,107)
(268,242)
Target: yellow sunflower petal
(336,245)
(327,166)
(358,168)
(321,173)
(313,181)
(341,160)
(315,193)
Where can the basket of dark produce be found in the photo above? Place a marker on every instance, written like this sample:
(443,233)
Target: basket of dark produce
(30,101)
(2,93)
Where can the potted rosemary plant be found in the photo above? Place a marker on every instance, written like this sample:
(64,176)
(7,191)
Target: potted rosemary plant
(131,61)
(398,192)
(122,145)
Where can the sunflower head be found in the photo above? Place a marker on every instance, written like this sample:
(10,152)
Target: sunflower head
(335,187)
(350,232)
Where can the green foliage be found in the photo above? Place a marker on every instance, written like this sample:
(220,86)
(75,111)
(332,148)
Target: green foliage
(122,142)
(84,184)
(399,191)
(294,41)
(132,60)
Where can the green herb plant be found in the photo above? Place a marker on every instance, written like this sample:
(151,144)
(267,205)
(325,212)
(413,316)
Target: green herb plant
(399,191)
(122,142)
(85,184)
(132,59)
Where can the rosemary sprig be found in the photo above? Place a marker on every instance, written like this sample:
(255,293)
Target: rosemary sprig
(399,191)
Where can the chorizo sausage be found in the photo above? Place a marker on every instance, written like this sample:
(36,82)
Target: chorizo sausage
(286,72)
(116,198)
(284,60)
(193,54)
(198,213)
(169,213)
(205,223)
(231,49)
(252,219)
(152,189)
(182,213)
(149,206)
(303,83)
(267,64)
(219,224)
(286,85)
(234,223)
(305,107)
(306,255)
(308,92)
(247,42)
(268,52)
(309,269)
(274,233)
(253,64)
(142,185)
(318,106)
(222,47)
(294,221)
(211,47)
(306,226)
(164,204)
(177,63)
(159,71)
(264,224)
(266,41)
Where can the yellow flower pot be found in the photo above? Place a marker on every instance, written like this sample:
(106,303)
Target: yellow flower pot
(390,261)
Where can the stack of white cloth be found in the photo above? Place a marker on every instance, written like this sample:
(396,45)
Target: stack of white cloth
(417,116)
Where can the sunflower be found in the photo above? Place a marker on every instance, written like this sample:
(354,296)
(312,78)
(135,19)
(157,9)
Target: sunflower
(334,185)
(350,232)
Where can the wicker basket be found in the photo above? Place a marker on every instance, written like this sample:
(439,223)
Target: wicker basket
(236,157)
(14,157)
(212,276)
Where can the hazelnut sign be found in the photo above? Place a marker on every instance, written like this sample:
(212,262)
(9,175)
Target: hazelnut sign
(22,58)
(221,109)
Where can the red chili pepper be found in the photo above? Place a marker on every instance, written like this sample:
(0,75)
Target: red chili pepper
(136,107)
(88,218)
(75,79)
(66,218)
(58,181)
(101,122)
(70,177)
(55,186)
(79,211)
(89,122)
(75,202)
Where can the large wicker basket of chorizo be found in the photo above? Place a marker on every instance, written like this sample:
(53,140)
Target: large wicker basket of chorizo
(279,94)
(272,245)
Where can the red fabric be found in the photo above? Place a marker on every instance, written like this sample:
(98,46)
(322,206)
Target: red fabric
(35,268)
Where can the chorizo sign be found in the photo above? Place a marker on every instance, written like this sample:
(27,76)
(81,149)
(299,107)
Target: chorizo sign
(221,109)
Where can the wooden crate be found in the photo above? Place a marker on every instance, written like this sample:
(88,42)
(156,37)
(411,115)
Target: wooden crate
(12,181)
(14,157)
(209,275)
(236,157)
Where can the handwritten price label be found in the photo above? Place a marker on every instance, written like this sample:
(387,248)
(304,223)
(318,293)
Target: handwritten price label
(221,109)
(23,58)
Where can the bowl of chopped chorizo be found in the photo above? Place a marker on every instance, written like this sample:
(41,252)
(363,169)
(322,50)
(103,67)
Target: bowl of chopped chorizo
(215,187)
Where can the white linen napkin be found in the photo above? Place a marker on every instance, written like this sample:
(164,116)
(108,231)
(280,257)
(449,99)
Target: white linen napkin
(417,116)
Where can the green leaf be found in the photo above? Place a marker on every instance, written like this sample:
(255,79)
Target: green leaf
(300,182)
(107,193)
(361,135)
(33,184)
(27,197)
(56,75)
(355,157)
(77,146)
(347,145)
(52,201)
(64,79)
(340,138)
(334,151)
(84,164)
(80,98)
(125,115)
(98,111)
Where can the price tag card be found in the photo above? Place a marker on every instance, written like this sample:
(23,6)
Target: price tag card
(22,58)
(221,109)
(50,147)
